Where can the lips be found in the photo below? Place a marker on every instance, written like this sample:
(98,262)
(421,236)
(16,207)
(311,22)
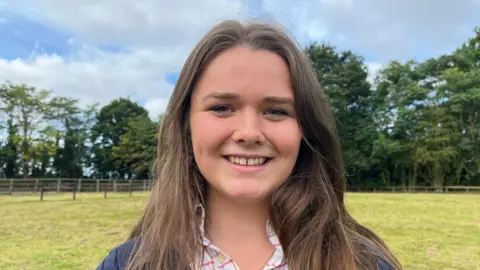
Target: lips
(256,161)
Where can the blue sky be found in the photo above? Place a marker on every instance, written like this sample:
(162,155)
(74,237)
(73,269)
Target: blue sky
(100,50)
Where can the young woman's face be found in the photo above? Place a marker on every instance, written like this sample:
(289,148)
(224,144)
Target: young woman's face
(245,134)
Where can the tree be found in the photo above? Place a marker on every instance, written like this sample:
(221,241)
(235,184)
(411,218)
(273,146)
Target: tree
(460,96)
(111,123)
(427,114)
(44,148)
(137,147)
(26,105)
(9,153)
(398,104)
(70,155)
(343,77)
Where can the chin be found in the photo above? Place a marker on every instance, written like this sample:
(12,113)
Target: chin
(242,188)
(248,200)
(245,194)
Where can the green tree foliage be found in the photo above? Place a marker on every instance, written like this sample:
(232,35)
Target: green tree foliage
(137,147)
(69,138)
(427,116)
(344,79)
(25,107)
(9,152)
(111,123)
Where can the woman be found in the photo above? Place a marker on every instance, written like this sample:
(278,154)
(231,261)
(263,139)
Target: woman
(249,167)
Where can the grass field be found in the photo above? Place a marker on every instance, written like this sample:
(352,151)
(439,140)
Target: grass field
(426,231)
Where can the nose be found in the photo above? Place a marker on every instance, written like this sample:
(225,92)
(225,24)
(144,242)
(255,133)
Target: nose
(248,129)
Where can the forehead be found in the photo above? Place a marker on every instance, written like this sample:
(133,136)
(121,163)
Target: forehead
(245,70)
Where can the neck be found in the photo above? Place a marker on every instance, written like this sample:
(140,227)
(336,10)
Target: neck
(234,222)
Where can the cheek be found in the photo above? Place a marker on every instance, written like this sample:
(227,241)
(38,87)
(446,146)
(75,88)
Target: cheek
(286,139)
(207,134)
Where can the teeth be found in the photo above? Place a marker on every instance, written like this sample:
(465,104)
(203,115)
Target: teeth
(247,161)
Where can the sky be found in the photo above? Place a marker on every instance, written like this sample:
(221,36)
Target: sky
(96,51)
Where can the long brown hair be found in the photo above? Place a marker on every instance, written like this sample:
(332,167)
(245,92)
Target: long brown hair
(307,211)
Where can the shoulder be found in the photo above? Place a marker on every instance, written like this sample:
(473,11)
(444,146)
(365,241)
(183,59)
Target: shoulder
(383,264)
(118,257)
(375,254)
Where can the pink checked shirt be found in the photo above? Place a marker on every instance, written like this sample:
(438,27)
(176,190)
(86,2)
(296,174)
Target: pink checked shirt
(214,258)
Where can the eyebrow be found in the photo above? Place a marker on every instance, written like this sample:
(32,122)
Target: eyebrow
(221,95)
(280,100)
(233,96)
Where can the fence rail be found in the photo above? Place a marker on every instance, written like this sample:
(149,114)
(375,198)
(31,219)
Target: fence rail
(58,185)
(22,186)
(417,189)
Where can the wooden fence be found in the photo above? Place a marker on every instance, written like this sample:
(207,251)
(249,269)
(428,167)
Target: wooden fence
(419,189)
(29,186)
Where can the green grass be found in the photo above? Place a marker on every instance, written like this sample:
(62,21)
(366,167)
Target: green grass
(426,231)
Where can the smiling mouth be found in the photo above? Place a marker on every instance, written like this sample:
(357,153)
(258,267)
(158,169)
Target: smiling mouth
(260,161)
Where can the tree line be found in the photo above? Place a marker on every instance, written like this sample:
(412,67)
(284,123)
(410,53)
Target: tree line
(418,123)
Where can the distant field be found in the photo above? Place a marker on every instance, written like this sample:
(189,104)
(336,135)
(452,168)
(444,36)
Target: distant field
(426,231)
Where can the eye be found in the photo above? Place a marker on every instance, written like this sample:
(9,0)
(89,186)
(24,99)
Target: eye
(277,112)
(221,109)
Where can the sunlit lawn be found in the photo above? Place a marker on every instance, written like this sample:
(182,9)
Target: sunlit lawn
(426,231)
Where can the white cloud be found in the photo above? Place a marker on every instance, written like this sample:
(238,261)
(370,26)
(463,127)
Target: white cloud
(156,106)
(95,78)
(385,30)
(400,29)
(156,36)
(137,23)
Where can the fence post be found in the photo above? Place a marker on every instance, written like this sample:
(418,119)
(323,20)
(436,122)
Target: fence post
(144,185)
(130,187)
(74,191)
(79,181)
(98,185)
(36,185)
(114,185)
(59,183)
(41,191)
(10,187)
(105,190)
